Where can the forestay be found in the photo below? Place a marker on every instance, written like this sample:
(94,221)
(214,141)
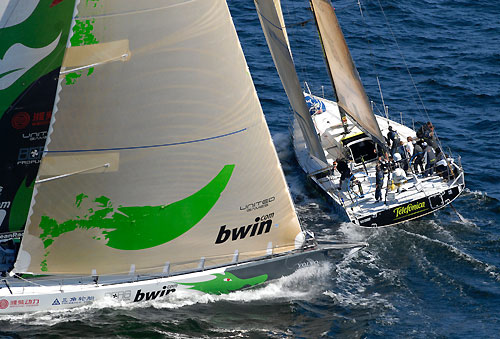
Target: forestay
(271,19)
(351,95)
(161,160)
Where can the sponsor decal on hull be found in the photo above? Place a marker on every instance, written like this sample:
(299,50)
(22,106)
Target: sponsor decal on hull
(225,283)
(152,295)
(411,210)
(73,300)
(20,302)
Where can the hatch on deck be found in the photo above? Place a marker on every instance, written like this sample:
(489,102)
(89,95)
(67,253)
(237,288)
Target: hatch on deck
(362,148)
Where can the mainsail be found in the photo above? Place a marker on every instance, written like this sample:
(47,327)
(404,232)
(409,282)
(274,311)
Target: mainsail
(271,19)
(160,159)
(351,96)
(33,36)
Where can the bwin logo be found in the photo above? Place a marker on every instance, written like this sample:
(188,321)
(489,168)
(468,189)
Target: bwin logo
(242,232)
(152,295)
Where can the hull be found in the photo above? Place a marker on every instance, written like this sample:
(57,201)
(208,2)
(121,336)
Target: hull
(413,210)
(47,294)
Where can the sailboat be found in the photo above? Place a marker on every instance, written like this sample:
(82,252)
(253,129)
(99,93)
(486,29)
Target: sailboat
(157,173)
(328,132)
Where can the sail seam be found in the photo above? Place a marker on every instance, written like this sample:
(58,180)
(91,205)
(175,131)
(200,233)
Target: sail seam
(146,146)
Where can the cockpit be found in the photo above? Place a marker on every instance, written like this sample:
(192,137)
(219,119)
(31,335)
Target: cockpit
(361,148)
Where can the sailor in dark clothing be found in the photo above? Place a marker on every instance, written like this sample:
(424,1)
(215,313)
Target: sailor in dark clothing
(379,181)
(393,140)
(405,157)
(430,159)
(343,169)
(428,134)
(442,164)
(418,157)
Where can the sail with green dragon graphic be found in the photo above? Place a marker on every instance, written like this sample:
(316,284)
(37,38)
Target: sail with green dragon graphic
(158,174)
(33,37)
(162,155)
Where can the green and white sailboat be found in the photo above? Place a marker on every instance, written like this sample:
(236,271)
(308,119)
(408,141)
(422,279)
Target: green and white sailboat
(158,171)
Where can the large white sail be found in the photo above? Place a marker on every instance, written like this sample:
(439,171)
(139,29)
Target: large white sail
(351,95)
(271,19)
(159,157)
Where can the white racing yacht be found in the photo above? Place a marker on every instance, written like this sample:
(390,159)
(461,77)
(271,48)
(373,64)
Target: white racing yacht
(327,132)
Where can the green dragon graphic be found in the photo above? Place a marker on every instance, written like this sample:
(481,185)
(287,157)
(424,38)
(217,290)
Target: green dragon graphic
(141,227)
(225,283)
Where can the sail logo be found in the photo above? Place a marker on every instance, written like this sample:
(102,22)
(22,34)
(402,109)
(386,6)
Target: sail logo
(30,155)
(19,59)
(20,120)
(56,302)
(406,210)
(256,205)
(140,296)
(242,232)
(33,136)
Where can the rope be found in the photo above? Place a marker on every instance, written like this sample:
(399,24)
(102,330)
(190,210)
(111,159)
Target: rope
(404,62)
(26,280)
(372,57)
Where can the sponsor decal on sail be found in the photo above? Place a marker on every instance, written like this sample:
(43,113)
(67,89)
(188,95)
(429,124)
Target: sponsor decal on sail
(262,225)
(139,227)
(257,205)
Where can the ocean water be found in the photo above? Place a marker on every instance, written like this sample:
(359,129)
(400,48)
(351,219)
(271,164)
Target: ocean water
(435,277)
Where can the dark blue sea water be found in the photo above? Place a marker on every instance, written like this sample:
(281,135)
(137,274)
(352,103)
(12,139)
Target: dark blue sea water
(435,277)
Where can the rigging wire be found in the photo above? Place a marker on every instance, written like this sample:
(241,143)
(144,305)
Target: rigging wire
(407,69)
(372,57)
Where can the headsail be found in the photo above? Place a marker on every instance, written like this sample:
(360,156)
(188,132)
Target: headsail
(271,19)
(160,160)
(351,95)
(33,37)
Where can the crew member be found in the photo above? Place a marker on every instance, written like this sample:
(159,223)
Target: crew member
(379,181)
(430,159)
(343,169)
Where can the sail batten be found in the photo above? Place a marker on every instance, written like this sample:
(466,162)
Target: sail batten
(198,174)
(271,19)
(351,95)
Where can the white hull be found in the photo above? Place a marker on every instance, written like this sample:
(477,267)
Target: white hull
(54,293)
(418,196)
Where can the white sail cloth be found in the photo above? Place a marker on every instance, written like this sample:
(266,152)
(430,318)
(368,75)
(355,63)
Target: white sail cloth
(177,121)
